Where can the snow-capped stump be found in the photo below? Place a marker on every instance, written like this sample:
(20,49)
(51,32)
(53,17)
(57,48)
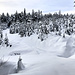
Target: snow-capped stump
(20,65)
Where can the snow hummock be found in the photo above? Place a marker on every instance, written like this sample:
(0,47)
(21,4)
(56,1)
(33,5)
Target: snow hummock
(70,47)
(53,56)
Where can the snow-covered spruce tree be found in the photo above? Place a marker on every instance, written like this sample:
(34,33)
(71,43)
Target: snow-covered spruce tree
(12,28)
(21,29)
(6,41)
(8,20)
(38,15)
(51,26)
(63,35)
(40,36)
(31,29)
(1,36)
(1,33)
(0,40)
(16,26)
(33,13)
(24,13)
(25,29)
(3,18)
(59,31)
(63,32)
(29,26)
(55,31)
(42,32)
(16,16)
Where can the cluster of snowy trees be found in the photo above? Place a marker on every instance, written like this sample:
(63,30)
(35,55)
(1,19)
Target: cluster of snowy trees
(25,24)
(4,41)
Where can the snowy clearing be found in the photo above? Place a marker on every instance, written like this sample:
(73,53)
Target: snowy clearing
(53,56)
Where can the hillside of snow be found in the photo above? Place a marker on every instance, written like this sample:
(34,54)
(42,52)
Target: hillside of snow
(53,56)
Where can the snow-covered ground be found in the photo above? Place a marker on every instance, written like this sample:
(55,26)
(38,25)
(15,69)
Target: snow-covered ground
(53,56)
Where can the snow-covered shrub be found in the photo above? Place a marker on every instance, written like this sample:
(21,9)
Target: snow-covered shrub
(6,40)
(20,65)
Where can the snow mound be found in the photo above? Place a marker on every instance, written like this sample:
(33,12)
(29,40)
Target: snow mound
(7,68)
(69,48)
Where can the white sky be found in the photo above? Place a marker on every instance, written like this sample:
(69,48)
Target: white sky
(46,6)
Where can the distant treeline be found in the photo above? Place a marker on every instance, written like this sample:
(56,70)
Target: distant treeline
(34,16)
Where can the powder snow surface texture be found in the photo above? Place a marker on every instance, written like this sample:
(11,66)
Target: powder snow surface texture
(53,56)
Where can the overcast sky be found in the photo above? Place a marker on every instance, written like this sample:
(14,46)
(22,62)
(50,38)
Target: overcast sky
(46,6)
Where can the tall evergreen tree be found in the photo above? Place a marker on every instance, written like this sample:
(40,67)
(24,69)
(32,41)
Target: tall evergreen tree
(33,13)
(6,40)
(24,13)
